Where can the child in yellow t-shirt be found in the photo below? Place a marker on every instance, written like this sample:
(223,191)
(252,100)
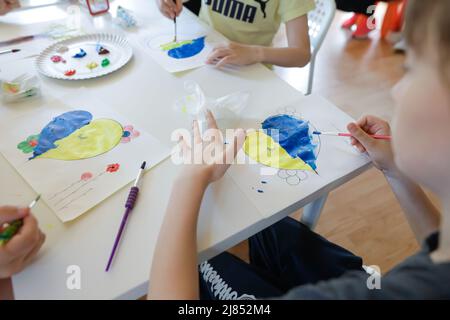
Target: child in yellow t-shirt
(251,25)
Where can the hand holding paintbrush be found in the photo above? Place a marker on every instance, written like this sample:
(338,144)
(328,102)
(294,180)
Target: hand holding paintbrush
(171,9)
(20,237)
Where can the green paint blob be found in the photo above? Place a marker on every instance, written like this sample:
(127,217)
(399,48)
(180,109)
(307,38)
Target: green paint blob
(105,62)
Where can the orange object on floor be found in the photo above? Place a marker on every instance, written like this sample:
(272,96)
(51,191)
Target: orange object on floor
(364,25)
(393,19)
(350,22)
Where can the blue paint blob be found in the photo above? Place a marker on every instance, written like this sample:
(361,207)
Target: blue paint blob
(293,136)
(126,134)
(264,182)
(260,191)
(80,54)
(188,50)
(59,128)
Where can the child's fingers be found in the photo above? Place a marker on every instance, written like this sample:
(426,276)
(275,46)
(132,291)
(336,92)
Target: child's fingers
(169,8)
(26,238)
(184,144)
(30,256)
(14,4)
(374,125)
(196,130)
(167,13)
(234,147)
(212,124)
(3,6)
(218,53)
(225,61)
(222,52)
(10,213)
(366,123)
(357,145)
(179,6)
(22,260)
(359,134)
(170,4)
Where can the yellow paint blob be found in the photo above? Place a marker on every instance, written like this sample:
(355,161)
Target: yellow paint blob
(96,138)
(92,65)
(263,149)
(174,45)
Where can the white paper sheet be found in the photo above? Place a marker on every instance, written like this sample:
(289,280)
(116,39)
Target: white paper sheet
(72,187)
(161,32)
(273,190)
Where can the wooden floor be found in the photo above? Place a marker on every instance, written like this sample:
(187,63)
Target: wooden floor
(363,215)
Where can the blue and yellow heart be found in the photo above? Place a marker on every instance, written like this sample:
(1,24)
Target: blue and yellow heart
(184,49)
(284,143)
(74,135)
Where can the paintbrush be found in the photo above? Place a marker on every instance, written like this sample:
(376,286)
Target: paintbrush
(343,134)
(21,39)
(33,203)
(9,51)
(129,205)
(175,24)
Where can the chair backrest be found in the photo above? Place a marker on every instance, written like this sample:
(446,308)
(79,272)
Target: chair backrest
(319,21)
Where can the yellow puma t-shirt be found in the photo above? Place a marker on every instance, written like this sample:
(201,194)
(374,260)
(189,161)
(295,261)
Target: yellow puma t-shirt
(252,21)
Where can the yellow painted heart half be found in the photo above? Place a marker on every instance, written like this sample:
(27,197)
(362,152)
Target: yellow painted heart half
(96,138)
(263,149)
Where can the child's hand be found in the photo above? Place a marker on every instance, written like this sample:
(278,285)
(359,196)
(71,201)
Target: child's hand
(18,252)
(169,8)
(235,54)
(210,156)
(8,5)
(380,151)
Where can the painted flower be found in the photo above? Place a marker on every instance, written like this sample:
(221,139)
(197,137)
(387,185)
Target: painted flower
(129,133)
(86,176)
(29,144)
(292,177)
(111,168)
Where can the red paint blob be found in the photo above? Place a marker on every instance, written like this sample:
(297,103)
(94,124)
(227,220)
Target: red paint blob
(70,72)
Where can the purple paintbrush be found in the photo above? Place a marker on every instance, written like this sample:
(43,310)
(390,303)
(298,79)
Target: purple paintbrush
(132,196)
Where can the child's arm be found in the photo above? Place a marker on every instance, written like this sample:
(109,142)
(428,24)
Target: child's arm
(297,54)
(422,215)
(174,273)
(6,289)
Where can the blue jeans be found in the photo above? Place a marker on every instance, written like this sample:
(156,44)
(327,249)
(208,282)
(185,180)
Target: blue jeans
(283,256)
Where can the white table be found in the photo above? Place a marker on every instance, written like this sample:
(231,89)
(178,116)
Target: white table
(144,93)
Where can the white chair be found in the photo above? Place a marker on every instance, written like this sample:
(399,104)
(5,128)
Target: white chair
(319,22)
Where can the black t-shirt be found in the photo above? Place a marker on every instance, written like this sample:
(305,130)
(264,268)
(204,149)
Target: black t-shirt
(418,277)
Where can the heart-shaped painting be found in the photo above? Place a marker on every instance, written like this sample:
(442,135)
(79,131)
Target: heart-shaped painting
(75,136)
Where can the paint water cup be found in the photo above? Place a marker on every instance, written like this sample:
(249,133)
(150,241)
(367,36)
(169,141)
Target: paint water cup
(97,7)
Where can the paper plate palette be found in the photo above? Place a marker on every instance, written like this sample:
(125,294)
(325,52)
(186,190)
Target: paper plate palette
(84,57)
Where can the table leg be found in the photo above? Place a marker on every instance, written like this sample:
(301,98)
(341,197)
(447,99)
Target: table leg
(312,211)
